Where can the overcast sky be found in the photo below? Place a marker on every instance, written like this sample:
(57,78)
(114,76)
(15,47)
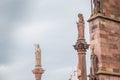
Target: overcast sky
(52,24)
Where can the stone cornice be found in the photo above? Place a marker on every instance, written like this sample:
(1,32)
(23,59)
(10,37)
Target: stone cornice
(99,15)
(107,73)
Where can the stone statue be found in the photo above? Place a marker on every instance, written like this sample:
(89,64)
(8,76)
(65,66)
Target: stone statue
(38,48)
(80,26)
(97,6)
(94,66)
(38,55)
(94,61)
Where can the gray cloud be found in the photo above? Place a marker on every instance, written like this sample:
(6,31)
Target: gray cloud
(50,23)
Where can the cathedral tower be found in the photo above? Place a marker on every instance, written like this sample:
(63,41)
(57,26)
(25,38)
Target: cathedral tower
(38,71)
(104,26)
(81,47)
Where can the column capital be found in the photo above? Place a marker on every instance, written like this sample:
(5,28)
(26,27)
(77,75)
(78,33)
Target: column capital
(81,45)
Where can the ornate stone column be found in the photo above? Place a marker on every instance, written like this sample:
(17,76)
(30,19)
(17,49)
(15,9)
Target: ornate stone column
(81,47)
(38,70)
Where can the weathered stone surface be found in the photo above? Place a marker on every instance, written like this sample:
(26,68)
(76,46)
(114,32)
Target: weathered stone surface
(112,38)
(102,27)
(105,38)
(113,9)
(116,70)
(106,35)
(113,46)
(93,28)
(92,37)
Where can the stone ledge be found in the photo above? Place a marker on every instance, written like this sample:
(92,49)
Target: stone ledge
(108,73)
(99,15)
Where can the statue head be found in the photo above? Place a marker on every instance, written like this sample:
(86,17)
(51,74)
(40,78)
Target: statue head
(38,46)
(80,16)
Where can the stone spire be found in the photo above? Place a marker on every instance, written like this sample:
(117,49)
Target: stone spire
(81,47)
(38,70)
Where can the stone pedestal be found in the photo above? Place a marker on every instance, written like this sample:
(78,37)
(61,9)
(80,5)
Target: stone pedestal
(38,73)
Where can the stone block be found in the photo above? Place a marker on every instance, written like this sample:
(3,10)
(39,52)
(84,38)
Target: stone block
(118,58)
(111,10)
(112,38)
(113,46)
(94,27)
(116,70)
(103,36)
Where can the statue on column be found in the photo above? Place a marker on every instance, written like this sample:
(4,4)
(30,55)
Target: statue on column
(81,46)
(38,70)
(80,26)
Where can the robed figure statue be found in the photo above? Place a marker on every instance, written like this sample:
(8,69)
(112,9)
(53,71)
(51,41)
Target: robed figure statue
(80,26)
